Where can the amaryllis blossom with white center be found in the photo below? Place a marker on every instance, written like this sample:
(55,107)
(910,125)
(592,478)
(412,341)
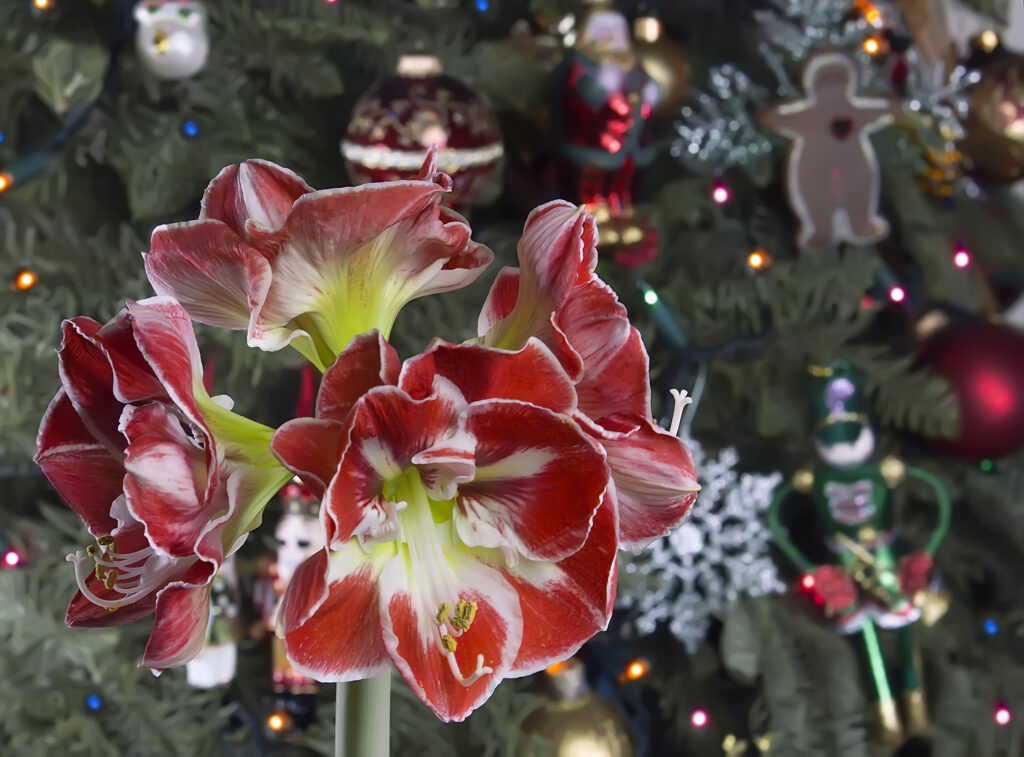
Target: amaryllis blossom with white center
(167,480)
(313,268)
(556,297)
(470,536)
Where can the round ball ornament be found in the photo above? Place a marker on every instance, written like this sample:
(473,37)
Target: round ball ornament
(984,364)
(995,124)
(665,62)
(396,121)
(171,38)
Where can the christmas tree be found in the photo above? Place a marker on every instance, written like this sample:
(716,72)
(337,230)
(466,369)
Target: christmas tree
(810,210)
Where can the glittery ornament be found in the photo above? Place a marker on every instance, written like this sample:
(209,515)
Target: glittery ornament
(717,555)
(395,123)
(995,123)
(171,39)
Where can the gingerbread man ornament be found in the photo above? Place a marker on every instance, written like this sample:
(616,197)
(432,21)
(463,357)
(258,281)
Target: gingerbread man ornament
(832,172)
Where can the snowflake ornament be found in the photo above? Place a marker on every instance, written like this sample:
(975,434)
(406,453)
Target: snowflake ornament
(717,555)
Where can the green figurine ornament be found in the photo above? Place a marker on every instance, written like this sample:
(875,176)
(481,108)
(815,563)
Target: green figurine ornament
(870,585)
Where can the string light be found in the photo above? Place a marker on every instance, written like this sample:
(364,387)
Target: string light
(43,5)
(867,302)
(988,40)
(2,137)
(25,280)
(872,46)
(6,181)
(483,5)
(636,670)
(961,258)
(93,702)
(191,128)
(807,582)
(759,259)
(699,718)
(11,559)
(991,627)
(277,722)
(720,194)
(987,466)
(897,294)
(1003,715)
(872,15)
(557,668)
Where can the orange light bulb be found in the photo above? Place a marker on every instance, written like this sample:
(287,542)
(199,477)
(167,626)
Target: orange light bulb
(557,668)
(872,46)
(6,181)
(25,280)
(759,259)
(42,4)
(275,722)
(636,670)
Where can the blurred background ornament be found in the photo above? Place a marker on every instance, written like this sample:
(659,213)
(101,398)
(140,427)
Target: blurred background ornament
(719,554)
(215,665)
(171,39)
(994,145)
(398,119)
(984,364)
(664,61)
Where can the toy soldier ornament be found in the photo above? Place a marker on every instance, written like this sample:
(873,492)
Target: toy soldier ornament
(871,584)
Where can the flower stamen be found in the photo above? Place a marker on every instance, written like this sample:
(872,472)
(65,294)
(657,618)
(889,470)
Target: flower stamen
(125,574)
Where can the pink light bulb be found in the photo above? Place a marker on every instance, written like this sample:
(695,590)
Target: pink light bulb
(962,259)
(897,294)
(11,558)
(1003,715)
(699,718)
(720,194)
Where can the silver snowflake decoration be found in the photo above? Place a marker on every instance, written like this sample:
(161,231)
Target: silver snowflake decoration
(717,555)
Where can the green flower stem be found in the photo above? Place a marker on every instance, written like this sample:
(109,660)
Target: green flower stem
(362,723)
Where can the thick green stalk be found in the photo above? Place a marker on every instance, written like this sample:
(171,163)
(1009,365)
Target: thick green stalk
(362,723)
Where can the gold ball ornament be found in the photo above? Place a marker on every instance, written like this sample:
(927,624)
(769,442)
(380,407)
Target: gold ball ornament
(665,62)
(994,146)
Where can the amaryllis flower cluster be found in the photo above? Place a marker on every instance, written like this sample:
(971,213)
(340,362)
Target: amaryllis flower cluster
(474,495)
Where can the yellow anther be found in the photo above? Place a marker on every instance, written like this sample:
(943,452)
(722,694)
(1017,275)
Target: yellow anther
(111,609)
(442,612)
(465,611)
(104,541)
(449,643)
(99,572)
(110,578)
(92,550)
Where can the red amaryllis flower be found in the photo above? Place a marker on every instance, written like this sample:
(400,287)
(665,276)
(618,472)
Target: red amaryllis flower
(312,268)
(555,296)
(167,481)
(469,536)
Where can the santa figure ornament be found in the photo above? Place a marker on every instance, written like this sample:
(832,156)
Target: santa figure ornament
(171,39)
(832,173)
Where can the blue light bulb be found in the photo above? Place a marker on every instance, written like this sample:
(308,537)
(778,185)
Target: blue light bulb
(991,627)
(2,137)
(93,702)
(191,128)
(483,5)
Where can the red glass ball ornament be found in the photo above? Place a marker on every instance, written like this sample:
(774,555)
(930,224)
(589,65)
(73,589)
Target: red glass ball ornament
(397,120)
(984,364)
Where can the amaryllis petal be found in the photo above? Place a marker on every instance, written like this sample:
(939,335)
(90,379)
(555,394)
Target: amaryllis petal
(133,379)
(387,429)
(179,628)
(88,380)
(531,374)
(310,448)
(557,251)
(323,589)
(654,479)
(452,667)
(501,299)
(161,483)
(216,275)
(255,190)
(539,480)
(567,602)
(366,362)
(85,473)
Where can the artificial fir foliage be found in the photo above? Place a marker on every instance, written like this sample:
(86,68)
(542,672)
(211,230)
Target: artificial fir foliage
(96,150)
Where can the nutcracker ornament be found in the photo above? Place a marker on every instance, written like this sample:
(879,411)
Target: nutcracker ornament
(874,583)
(601,120)
(171,39)
(215,665)
(299,535)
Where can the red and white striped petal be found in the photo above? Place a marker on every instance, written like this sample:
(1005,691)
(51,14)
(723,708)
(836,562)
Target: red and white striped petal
(556,252)
(654,478)
(85,473)
(418,596)
(539,480)
(567,602)
(182,616)
(256,191)
(501,300)
(88,379)
(531,374)
(324,590)
(217,277)
(133,378)
(166,480)
(310,448)
(615,375)
(387,429)
(164,334)
(366,362)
